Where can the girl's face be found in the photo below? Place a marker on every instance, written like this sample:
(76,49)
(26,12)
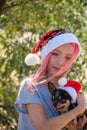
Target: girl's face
(59,58)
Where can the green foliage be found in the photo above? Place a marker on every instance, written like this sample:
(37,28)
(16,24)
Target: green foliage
(22,23)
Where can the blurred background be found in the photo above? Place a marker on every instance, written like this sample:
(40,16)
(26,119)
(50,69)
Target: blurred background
(22,23)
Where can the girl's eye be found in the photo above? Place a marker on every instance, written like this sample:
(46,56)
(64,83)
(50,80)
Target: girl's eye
(56,54)
(68,58)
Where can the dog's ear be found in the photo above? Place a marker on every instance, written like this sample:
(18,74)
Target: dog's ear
(51,87)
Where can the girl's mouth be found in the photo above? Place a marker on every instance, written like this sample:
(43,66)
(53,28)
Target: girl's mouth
(56,68)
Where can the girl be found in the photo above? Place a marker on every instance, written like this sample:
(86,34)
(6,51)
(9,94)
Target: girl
(59,49)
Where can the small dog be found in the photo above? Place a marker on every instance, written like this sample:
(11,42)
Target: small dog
(62,101)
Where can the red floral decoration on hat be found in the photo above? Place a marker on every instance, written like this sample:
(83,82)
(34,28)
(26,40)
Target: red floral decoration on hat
(46,37)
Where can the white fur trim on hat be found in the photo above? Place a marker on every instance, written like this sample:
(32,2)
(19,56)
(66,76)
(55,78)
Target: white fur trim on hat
(58,41)
(62,81)
(71,91)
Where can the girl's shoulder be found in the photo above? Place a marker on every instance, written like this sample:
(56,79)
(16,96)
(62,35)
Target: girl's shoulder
(24,83)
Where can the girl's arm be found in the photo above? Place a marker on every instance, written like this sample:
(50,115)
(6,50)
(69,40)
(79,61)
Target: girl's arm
(41,122)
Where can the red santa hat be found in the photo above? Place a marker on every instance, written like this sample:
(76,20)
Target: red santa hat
(72,87)
(48,42)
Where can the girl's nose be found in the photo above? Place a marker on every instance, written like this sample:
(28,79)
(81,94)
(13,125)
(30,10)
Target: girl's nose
(61,61)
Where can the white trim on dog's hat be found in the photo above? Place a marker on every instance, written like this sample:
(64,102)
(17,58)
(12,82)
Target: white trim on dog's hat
(71,91)
(72,87)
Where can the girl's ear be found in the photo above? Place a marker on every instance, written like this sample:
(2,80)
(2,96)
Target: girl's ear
(51,87)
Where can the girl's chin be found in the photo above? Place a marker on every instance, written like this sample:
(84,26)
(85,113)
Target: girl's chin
(57,73)
(52,74)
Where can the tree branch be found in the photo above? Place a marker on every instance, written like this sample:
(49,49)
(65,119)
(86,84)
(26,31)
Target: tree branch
(17,4)
(2,3)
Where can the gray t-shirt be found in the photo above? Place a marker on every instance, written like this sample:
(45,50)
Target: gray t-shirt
(41,96)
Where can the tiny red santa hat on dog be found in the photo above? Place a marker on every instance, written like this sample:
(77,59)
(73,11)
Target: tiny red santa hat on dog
(72,87)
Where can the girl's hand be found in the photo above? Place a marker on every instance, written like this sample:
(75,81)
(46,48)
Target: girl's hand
(77,125)
(72,125)
(81,102)
(81,122)
(82,106)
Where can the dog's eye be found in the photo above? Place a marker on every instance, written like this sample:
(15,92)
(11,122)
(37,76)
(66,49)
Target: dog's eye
(60,97)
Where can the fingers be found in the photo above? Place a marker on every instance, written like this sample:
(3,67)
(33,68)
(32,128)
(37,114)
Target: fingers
(72,125)
(84,119)
(81,122)
(75,121)
(81,100)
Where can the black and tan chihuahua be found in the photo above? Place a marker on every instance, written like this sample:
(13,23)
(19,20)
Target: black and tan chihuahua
(62,101)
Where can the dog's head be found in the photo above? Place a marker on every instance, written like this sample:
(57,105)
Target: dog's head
(60,98)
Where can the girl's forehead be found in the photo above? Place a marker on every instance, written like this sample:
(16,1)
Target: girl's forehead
(67,48)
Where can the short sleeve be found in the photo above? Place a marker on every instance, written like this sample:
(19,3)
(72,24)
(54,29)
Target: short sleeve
(25,96)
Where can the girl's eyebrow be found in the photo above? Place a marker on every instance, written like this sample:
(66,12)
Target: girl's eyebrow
(58,51)
(69,55)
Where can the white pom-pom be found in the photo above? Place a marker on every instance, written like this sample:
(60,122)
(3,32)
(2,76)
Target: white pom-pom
(32,59)
(62,81)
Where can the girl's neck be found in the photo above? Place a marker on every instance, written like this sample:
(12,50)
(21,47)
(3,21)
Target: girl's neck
(55,82)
